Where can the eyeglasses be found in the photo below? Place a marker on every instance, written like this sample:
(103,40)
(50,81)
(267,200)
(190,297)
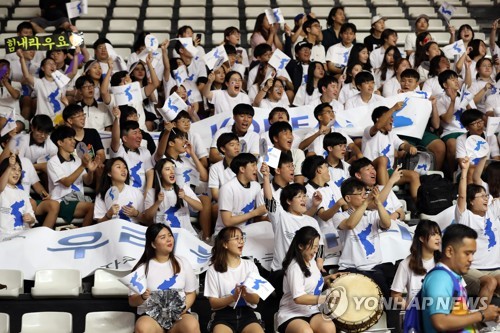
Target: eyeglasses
(239,239)
(477,122)
(482,196)
(329,112)
(79,115)
(88,86)
(363,195)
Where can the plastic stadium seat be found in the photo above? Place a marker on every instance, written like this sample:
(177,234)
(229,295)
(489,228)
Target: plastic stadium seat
(3,12)
(390,12)
(157,25)
(190,3)
(99,3)
(282,3)
(12,26)
(322,12)
(442,38)
(119,38)
(360,36)
(96,12)
(480,3)
(217,3)
(123,25)
(43,322)
(198,25)
(2,51)
(377,3)
(109,321)
(29,3)
(252,12)
(451,2)
(402,38)
(192,12)
(106,282)
(258,3)
(291,12)
(124,53)
(57,283)
(416,11)
(217,37)
(220,25)
(26,12)
(4,323)
(361,24)
(136,3)
(14,280)
(159,12)
(458,22)
(89,25)
(160,3)
(397,24)
(461,12)
(225,12)
(353,3)
(357,12)
(90,38)
(326,3)
(126,12)
(417,2)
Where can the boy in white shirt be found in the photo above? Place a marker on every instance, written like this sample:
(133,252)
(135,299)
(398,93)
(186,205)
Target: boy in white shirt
(347,36)
(242,115)
(220,173)
(277,114)
(389,38)
(328,86)
(380,144)
(67,174)
(336,146)
(237,197)
(365,82)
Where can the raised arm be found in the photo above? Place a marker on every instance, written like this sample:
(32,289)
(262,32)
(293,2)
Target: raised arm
(24,68)
(4,178)
(115,130)
(155,83)
(462,185)
(207,93)
(164,58)
(385,118)
(105,94)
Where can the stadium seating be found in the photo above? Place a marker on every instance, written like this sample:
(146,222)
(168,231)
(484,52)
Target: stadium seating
(106,283)
(13,279)
(53,283)
(44,322)
(109,321)
(4,323)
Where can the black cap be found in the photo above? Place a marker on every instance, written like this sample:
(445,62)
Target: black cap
(302,44)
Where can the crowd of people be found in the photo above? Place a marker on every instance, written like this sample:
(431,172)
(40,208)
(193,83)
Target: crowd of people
(324,182)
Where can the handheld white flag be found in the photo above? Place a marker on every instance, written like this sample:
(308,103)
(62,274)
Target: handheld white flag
(455,49)
(180,75)
(187,43)
(127,94)
(274,15)
(493,125)
(136,281)
(257,284)
(272,158)
(60,79)
(215,58)
(10,124)
(446,10)
(76,8)
(279,60)
(173,105)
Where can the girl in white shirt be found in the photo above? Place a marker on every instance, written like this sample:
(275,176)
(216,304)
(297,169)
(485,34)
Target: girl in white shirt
(164,270)
(127,203)
(424,254)
(309,91)
(225,100)
(349,89)
(302,286)
(386,70)
(15,208)
(393,86)
(482,83)
(232,302)
(171,199)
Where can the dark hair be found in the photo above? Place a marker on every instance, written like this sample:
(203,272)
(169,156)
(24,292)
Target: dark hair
(230,49)
(276,110)
(445,76)
(100,41)
(492,177)
(350,185)
(259,26)
(386,33)
(224,139)
(472,190)
(378,112)
(385,66)
(285,158)
(41,73)
(362,77)
(474,45)
(480,62)
(149,252)
(421,49)
(325,81)
(346,26)
(462,27)
(425,229)
(311,165)
(117,77)
(25,25)
(310,76)
(304,237)
(289,192)
(229,31)
(333,12)
(5,164)
(158,175)
(62,132)
(139,41)
(71,110)
(359,164)
(261,49)
(410,73)
(354,57)
(127,126)
(278,127)
(144,81)
(42,123)
(181,115)
(125,112)
(81,81)
(434,65)
(107,182)
(242,160)
(470,116)
(243,108)
(350,67)
(455,234)
(318,110)
(219,252)
(308,23)
(333,139)
(182,30)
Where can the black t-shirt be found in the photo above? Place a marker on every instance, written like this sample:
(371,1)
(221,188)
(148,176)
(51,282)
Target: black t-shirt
(372,42)
(329,38)
(93,141)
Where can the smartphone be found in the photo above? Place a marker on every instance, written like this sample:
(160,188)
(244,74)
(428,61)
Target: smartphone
(198,37)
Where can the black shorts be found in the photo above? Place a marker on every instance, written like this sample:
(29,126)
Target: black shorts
(282,327)
(236,319)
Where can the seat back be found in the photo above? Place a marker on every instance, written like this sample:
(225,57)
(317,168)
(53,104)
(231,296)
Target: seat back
(4,323)
(42,322)
(106,283)
(57,283)
(13,279)
(109,321)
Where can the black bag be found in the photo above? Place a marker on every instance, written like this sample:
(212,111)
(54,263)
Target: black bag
(435,194)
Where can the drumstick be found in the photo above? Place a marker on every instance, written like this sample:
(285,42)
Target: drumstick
(237,300)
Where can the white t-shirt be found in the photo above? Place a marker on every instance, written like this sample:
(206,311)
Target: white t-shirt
(488,233)
(7,101)
(14,203)
(48,98)
(218,285)
(285,225)
(356,101)
(492,102)
(58,169)
(318,53)
(455,126)
(97,116)
(336,105)
(339,173)
(377,57)
(431,86)
(380,145)
(411,42)
(219,175)
(265,142)
(129,196)
(330,195)
(361,244)
(161,277)
(347,91)
(406,280)
(337,49)
(303,98)
(224,103)
(379,82)
(317,145)
(391,87)
(138,163)
(29,175)
(249,142)
(174,217)
(491,140)
(33,152)
(238,200)
(295,284)
(475,88)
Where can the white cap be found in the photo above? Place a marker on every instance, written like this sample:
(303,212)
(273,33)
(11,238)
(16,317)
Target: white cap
(377,18)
